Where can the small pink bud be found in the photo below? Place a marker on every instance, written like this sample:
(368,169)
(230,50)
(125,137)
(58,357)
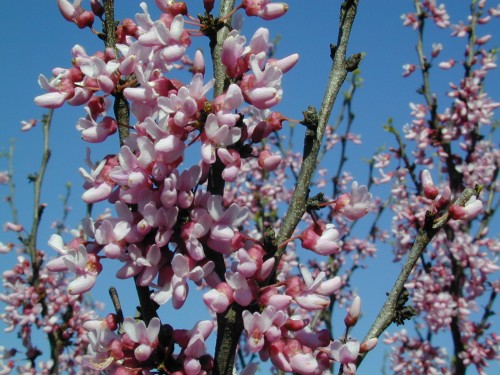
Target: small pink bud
(436,49)
(296,325)
(13,227)
(483,39)
(368,345)
(430,191)
(447,64)
(86,19)
(198,63)
(444,200)
(268,161)
(353,314)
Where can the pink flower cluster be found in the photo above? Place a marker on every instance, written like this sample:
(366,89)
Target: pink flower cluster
(169,229)
(48,308)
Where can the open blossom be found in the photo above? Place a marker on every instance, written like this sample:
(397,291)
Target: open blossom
(85,266)
(322,239)
(346,352)
(262,88)
(313,293)
(258,324)
(146,337)
(356,204)
(472,208)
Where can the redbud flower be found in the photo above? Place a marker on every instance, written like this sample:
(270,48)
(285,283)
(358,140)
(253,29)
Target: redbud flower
(172,7)
(27,125)
(345,353)
(4,177)
(5,248)
(408,69)
(256,326)
(430,191)
(444,199)
(147,338)
(264,9)
(322,239)
(368,345)
(436,49)
(198,63)
(267,161)
(447,64)
(353,313)
(471,209)
(356,204)
(13,227)
(75,13)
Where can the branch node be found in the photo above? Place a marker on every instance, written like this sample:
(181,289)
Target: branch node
(402,312)
(352,62)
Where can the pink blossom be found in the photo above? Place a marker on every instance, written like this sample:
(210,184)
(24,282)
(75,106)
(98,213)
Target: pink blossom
(447,64)
(263,88)
(264,9)
(219,299)
(256,326)
(75,13)
(225,222)
(408,69)
(146,337)
(216,135)
(85,266)
(314,293)
(345,352)
(430,190)
(27,125)
(353,313)
(268,161)
(322,239)
(94,132)
(472,208)
(356,204)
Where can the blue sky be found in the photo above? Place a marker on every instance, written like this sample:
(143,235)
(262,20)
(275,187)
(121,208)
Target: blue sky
(36,39)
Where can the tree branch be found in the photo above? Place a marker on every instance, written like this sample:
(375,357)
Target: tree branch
(388,311)
(338,74)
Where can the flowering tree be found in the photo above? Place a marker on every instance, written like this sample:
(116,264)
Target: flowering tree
(237,219)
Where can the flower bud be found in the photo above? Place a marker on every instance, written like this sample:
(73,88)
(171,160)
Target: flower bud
(353,314)
(209,5)
(96,7)
(368,345)
(198,63)
(430,191)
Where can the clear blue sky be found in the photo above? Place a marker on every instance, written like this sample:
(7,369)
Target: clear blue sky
(36,39)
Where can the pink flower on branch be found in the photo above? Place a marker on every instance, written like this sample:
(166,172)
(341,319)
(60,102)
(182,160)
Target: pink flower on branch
(472,208)
(356,204)
(322,239)
(146,337)
(313,293)
(75,13)
(264,9)
(85,266)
